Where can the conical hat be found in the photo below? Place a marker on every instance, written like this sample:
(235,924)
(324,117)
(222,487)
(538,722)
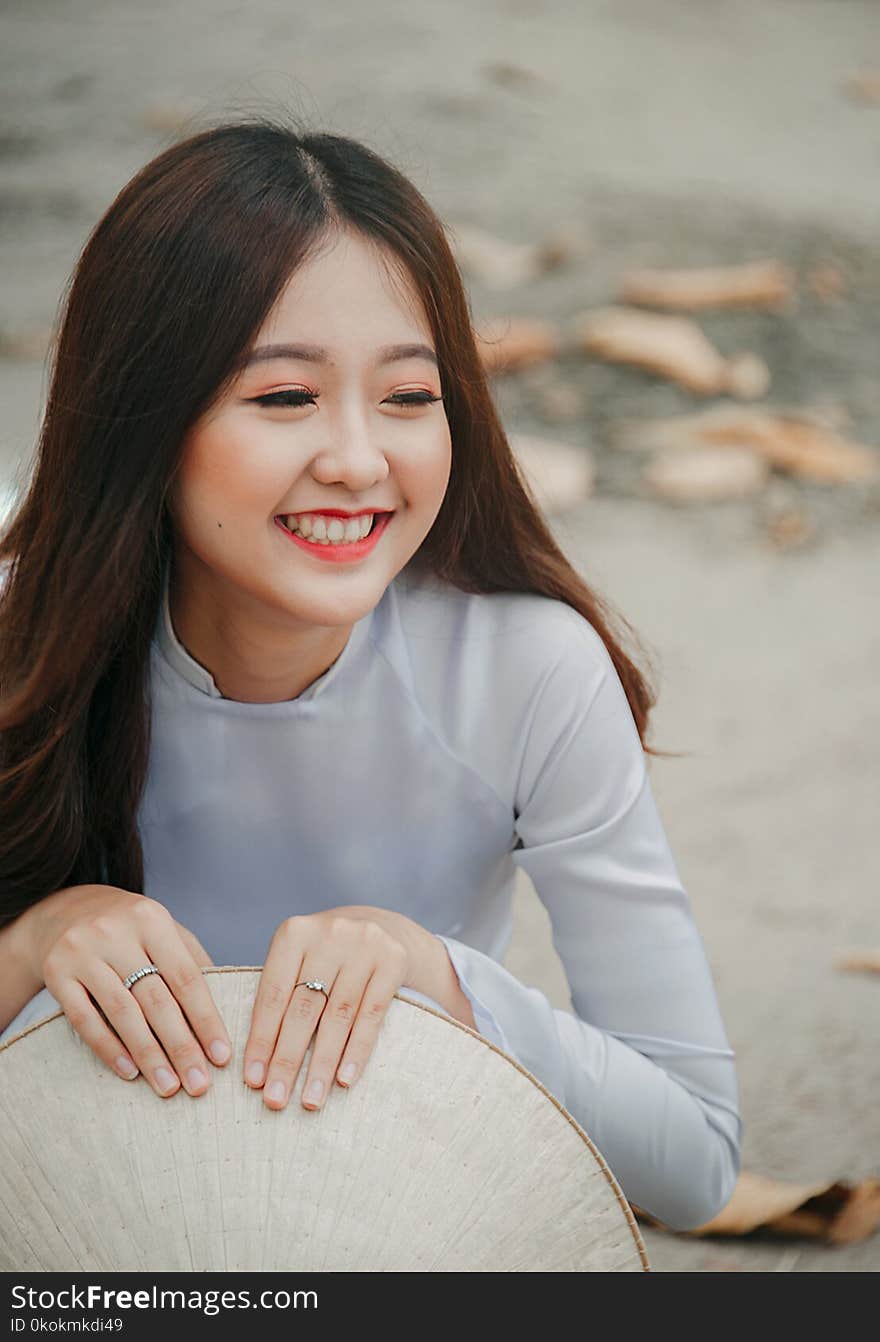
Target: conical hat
(446,1156)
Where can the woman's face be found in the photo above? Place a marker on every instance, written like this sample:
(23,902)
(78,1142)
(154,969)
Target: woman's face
(342,420)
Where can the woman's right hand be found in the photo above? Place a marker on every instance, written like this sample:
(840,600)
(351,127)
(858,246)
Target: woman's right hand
(85,940)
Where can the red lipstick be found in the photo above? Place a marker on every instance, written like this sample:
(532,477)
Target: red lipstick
(340,554)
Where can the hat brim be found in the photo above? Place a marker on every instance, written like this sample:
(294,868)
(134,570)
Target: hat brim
(446,1156)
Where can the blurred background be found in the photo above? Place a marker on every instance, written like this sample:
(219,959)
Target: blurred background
(666,214)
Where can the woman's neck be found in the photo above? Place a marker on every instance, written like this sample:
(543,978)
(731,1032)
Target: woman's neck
(251,659)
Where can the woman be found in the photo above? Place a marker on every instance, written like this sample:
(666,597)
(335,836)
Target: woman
(282,630)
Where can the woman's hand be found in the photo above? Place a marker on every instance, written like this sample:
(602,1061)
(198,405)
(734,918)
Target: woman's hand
(85,940)
(362,965)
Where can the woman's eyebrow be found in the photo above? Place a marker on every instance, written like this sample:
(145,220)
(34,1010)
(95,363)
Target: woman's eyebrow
(317,354)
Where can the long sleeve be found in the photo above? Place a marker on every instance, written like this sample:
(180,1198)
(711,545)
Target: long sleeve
(644,1064)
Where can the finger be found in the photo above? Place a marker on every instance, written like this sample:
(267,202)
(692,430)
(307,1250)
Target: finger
(280,972)
(186,982)
(333,1031)
(169,1025)
(127,1021)
(303,1013)
(378,996)
(86,1020)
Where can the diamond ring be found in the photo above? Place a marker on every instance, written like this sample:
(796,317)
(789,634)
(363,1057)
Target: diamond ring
(315,984)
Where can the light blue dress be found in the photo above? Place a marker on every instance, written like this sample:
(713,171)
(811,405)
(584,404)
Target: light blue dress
(456,738)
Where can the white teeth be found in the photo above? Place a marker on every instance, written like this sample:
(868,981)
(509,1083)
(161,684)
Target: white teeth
(332,531)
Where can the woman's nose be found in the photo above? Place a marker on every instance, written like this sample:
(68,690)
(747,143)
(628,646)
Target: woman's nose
(352,454)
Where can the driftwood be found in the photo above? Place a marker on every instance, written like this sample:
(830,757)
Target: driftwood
(864,87)
(500,264)
(868,962)
(797,443)
(670,347)
(706,474)
(559,475)
(506,344)
(761,284)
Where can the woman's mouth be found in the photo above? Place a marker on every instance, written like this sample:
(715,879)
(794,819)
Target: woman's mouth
(338,539)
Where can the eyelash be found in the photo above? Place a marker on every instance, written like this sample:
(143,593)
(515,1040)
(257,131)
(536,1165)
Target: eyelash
(306,397)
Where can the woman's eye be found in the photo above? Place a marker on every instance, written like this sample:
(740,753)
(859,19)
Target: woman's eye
(290,398)
(411,399)
(293,399)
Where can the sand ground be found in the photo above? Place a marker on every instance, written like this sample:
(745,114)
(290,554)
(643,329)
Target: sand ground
(678,133)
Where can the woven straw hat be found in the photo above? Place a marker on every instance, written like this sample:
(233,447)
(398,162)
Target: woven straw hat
(446,1156)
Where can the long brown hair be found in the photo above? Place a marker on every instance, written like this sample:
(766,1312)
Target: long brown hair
(170,291)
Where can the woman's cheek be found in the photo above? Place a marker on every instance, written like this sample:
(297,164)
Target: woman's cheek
(236,471)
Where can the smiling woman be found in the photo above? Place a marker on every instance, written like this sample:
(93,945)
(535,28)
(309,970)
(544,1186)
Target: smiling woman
(366,435)
(237,725)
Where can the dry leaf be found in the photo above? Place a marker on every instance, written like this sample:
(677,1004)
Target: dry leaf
(858,1214)
(797,443)
(806,450)
(788,527)
(864,87)
(508,343)
(500,264)
(748,376)
(560,476)
(706,475)
(764,284)
(827,281)
(785,518)
(671,347)
(866,963)
(836,1213)
(564,244)
(497,263)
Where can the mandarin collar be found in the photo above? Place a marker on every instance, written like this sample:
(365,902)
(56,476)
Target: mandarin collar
(200,677)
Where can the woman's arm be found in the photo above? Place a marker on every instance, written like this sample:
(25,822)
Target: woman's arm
(644,1064)
(23,996)
(19,980)
(20,977)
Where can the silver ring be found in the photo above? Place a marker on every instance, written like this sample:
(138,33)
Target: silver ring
(139,974)
(315,984)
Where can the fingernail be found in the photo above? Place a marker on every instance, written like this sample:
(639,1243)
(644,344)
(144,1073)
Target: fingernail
(314,1091)
(195,1078)
(126,1067)
(347,1073)
(165,1079)
(219,1050)
(276,1090)
(256,1073)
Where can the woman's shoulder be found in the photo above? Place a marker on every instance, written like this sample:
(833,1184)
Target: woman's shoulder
(516,632)
(483,667)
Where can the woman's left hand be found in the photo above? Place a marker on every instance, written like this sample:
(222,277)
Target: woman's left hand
(362,964)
